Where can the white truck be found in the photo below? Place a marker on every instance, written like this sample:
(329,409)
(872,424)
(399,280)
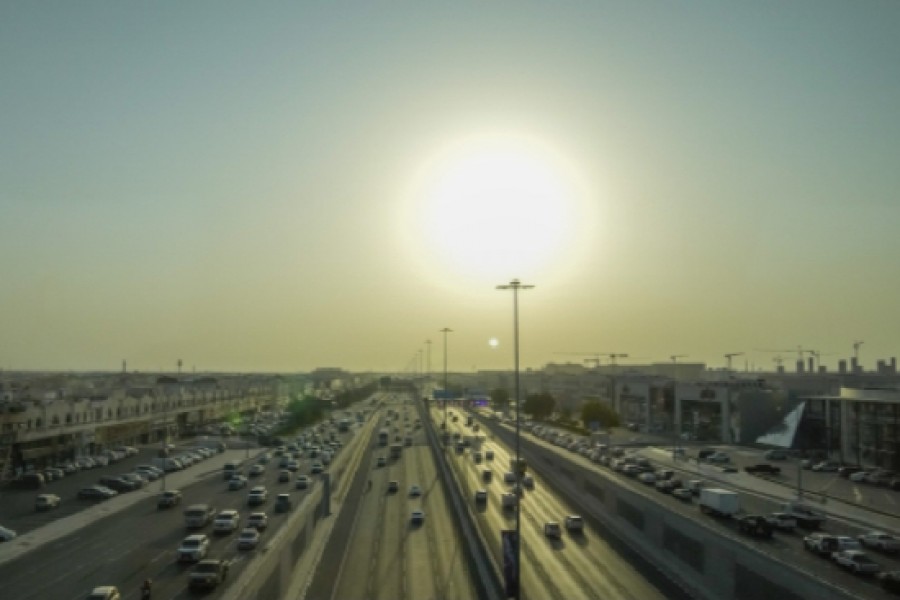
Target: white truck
(719,502)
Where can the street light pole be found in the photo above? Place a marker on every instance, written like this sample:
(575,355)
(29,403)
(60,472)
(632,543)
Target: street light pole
(445,331)
(515,285)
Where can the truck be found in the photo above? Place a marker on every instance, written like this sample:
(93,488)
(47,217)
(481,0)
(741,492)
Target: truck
(805,515)
(719,502)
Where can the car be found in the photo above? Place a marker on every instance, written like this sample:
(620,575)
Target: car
(509,477)
(282,503)
(316,468)
(682,493)
(481,496)
(574,524)
(489,455)
(193,548)
(415,490)
(136,479)
(890,581)
(284,476)
(248,539)
(648,478)
(718,457)
(256,470)
(226,521)
(149,474)
(46,501)
(847,470)
(756,525)
(208,573)
(381,461)
(393,486)
(258,520)
(879,540)
(775,454)
(552,530)
(782,521)
(763,469)
(856,561)
(820,543)
(105,592)
(237,482)
(826,466)
(96,492)
(7,534)
(293,465)
(117,484)
(528,482)
(168,499)
(302,482)
(417,517)
(257,496)
(859,476)
(509,500)
(695,485)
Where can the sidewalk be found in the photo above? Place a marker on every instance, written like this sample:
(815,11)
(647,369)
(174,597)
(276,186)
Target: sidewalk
(62,527)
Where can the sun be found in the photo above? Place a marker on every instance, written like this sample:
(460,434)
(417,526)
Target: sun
(495,206)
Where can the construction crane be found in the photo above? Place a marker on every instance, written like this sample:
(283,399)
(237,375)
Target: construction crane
(675,357)
(778,360)
(856,346)
(595,356)
(731,355)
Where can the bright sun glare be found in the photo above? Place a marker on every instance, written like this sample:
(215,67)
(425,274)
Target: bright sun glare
(496,206)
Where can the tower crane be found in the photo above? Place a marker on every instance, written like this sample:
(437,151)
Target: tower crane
(856,346)
(731,355)
(675,357)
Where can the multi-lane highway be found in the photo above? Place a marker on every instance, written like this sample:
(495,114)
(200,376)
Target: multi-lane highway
(574,566)
(385,555)
(141,541)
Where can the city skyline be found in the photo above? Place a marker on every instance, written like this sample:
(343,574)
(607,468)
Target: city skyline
(284,188)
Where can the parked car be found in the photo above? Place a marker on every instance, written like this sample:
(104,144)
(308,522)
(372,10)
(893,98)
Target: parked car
(859,476)
(826,466)
(7,534)
(763,469)
(847,470)
(96,492)
(856,561)
(775,454)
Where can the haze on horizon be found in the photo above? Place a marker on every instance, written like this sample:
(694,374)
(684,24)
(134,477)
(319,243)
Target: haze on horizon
(300,185)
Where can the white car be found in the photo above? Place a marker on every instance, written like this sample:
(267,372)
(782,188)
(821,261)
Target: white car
(880,541)
(226,521)
(193,548)
(257,496)
(782,521)
(856,561)
(7,534)
(648,478)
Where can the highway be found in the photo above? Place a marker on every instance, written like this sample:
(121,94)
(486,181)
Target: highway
(384,555)
(575,566)
(140,541)
(757,497)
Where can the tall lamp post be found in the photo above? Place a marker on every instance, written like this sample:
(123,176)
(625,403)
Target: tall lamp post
(445,331)
(515,285)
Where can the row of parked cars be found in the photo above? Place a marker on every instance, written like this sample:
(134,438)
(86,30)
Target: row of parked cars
(38,478)
(111,485)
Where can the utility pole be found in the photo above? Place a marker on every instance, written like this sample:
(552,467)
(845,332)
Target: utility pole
(445,331)
(428,359)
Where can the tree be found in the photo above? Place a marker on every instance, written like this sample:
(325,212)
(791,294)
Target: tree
(540,406)
(599,412)
(500,399)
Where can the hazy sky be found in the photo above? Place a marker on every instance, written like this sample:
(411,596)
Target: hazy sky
(285,186)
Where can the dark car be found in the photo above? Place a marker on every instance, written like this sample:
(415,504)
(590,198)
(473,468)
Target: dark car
(208,574)
(890,581)
(118,484)
(848,470)
(763,468)
(755,525)
(168,499)
(96,492)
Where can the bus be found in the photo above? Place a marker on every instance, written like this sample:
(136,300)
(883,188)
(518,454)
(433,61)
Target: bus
(383,437)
